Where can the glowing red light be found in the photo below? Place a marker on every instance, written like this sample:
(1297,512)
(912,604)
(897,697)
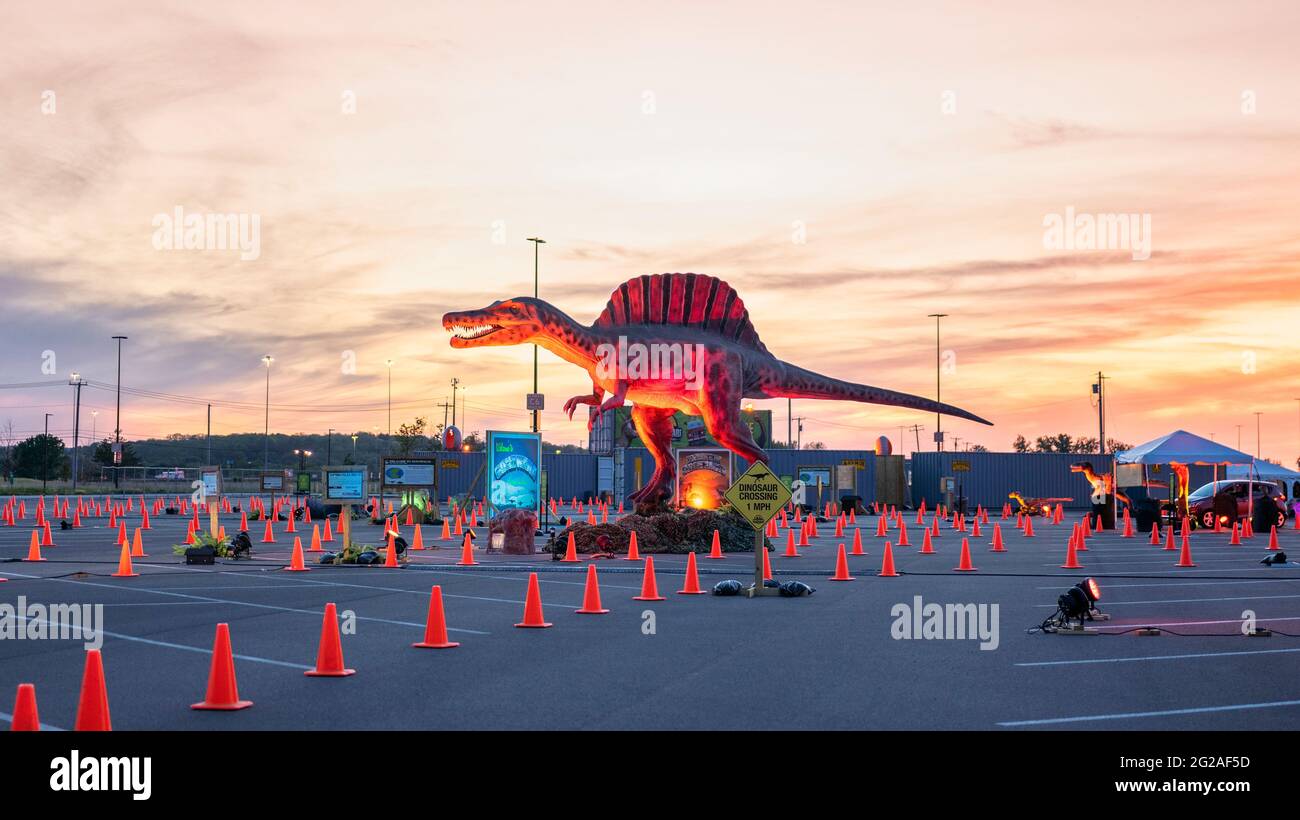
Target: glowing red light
(1093,590)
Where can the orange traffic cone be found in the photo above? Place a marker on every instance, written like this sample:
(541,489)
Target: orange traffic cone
(975,528)
(124,569)
(1185,556)
(902,533)
(243,521)
(1128,525)
(570,551)
(591,596)
(315,538)
(92,706)
(417,538)
(1029,526)
(1071,553)
(26,718)
(328,535)
(435,625)
(767,564)
(998,546)
(633,554)
(446,530)
(329,657)
(716,551)
(268,537)
(1169,539)
(842,567)
(223,692)
(1235,541)
(790,551)
(47,538)
(137,545)
(692,584)
(887,563)
(466,553)
(1155,533)
(295,561)
(927,546)
(964,563)
(34,550)
(533,618)
(857,542)
(1272,538)
(390,555)
(649,587)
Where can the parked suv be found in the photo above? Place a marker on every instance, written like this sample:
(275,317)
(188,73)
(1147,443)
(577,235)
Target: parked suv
(1200,504)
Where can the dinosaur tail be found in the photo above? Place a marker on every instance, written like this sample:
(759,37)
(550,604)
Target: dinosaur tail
(806,384)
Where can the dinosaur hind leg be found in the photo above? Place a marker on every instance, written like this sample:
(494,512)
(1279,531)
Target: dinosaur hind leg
(654,425)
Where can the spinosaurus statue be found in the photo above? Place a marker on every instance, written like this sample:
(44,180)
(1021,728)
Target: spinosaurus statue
(723,362)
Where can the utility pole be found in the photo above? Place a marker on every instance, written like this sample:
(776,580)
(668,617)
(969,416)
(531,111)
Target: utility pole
(45,453)
(916,429)
(537,243)
(1238,436)
(117,433)
(444,405)
(329,446)
(209,432)
(1099,389)
(938,417)
(1258,452)
(76,381)
(789,421)
(455,383)
(799,432)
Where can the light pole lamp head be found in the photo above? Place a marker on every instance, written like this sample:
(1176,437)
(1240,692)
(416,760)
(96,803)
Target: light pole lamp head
(267,359)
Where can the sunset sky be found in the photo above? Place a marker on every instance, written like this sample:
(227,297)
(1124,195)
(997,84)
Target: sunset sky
(848,167)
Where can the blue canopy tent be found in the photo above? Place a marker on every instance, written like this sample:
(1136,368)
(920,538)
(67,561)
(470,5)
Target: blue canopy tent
(1183,448)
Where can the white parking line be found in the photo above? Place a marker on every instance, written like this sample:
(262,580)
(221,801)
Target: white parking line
(1162,713)
(250,604)
(1186,656)
(45,727)
(1190,600)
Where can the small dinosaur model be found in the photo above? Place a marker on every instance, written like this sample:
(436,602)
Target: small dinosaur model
(699,325)
(1035,506)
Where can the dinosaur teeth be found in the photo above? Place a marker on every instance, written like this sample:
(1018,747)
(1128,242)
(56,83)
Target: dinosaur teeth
(473,331)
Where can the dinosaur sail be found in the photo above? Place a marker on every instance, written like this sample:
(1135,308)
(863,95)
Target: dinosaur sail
(681,299)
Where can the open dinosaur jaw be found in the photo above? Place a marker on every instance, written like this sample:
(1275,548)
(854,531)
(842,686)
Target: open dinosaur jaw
(470,332)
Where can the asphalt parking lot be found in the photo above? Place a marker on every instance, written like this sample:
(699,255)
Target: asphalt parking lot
(827,661)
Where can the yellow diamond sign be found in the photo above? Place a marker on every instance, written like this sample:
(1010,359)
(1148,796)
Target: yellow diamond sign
(758,495)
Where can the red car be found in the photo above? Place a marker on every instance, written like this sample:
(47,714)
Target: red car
(1200,504)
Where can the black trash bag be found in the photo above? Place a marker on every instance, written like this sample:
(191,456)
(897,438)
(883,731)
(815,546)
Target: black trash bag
(64,525)
(728,587)
(329,558)
(1277,558)
(795,589)
(368,557)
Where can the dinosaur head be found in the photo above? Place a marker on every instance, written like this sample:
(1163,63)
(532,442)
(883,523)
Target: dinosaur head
(1081,467)
(504,322)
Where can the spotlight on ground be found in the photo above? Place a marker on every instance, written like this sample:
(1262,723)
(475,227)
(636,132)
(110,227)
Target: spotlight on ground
(1078,603)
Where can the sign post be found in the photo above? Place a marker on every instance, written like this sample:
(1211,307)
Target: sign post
(344,486)
(211,478)
(758,495)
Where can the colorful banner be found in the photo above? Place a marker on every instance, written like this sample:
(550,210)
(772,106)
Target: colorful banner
(703,476)
(513,474)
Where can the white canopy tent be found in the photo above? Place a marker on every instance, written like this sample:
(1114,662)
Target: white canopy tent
(1183,448)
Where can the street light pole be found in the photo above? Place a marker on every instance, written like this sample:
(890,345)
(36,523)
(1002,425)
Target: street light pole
(537,243)
(938,417)
(117,433)
(1258,453)
(266,434)
(389,362)
(329,445)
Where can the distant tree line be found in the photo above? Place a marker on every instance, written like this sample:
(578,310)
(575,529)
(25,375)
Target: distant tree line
(1065,443)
